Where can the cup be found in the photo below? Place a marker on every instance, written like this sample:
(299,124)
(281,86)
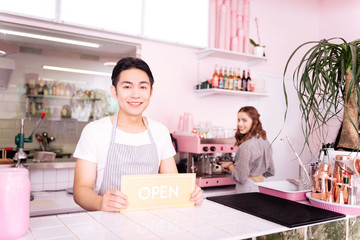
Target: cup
(304,181)
(14,203)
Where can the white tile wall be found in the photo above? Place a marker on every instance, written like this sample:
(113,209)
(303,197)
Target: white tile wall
(51,179)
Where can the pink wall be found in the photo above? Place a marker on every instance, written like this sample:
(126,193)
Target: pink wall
(340,19)
(284,25)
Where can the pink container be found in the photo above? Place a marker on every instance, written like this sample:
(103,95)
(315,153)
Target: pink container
(353,210)
(14,202)
(282,189)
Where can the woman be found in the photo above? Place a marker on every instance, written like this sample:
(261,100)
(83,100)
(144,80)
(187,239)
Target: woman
(253,159)
(124,144)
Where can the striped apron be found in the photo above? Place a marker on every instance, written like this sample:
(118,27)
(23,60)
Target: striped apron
(128,160)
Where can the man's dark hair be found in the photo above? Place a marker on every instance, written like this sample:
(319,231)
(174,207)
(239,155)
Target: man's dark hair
(129,63)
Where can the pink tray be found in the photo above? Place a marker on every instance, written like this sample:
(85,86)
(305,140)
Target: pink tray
(282,189)
(335,207)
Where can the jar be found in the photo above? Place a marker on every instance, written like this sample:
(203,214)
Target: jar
(14,203)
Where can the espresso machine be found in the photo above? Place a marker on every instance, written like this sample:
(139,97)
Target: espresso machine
(202,156)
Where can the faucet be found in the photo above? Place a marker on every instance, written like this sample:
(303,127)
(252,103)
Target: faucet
(20,155)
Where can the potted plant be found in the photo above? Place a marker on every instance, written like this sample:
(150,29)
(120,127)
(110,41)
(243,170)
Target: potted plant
(258,48)
(327,84)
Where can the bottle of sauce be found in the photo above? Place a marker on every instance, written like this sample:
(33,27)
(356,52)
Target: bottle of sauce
(221,78)
(215,78)
(226,79)
(244,82)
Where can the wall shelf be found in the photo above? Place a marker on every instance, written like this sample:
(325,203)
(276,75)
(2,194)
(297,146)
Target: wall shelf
(59,97)
(219,53)
(213,91)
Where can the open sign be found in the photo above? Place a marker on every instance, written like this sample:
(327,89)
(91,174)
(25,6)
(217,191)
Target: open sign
(158,190)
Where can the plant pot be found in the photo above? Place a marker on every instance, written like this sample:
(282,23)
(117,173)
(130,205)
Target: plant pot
(259,51)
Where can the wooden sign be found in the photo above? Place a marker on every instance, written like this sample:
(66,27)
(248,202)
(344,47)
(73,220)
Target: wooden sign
(158,190)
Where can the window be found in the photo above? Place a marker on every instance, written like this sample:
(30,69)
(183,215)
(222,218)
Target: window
(34,8)
(184,22)
(122,16)
(177,21)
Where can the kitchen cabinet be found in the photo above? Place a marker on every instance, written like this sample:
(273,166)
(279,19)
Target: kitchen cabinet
(247,59)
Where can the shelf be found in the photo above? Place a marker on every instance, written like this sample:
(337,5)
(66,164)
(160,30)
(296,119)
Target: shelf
(213,91)
(219,53)
(58,97)
(48,96)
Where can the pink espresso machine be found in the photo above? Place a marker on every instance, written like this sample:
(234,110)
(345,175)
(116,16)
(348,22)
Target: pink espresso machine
(202,156)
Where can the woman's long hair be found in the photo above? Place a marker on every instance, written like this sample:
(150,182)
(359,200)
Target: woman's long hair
(256,127)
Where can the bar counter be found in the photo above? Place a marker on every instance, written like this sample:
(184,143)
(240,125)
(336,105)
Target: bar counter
(208,221)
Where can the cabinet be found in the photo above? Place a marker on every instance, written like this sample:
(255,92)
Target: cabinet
(249,59)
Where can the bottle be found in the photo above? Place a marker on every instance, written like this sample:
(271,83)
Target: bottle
(248,81)
(221,78)
(50,87)
(244,83)
(239,82)
(54,89)
(215,78)
(231,80)
(226,79)
(46,89)
(41,87)
(320,182)
(235,85)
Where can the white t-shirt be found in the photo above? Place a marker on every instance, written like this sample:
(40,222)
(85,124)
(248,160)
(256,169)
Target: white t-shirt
(94,143)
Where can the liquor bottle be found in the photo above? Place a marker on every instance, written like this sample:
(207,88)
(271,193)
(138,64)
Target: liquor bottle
(244,83)
(235,86)
(221,78)
(231,79)
(215,78)
(239,82)
(248,81)
(226,79)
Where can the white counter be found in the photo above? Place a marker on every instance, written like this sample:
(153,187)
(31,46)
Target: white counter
(59,202)
(50,203)
(208,221)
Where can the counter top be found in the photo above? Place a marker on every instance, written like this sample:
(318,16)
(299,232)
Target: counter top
(59,202)
(58,163)
(208,221)
(50,203)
